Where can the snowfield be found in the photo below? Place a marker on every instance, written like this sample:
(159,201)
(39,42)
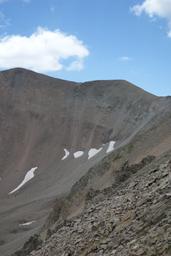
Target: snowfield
(111,146)
(66,154)
(78,154)
(93,151)
(26,223)
(28,176)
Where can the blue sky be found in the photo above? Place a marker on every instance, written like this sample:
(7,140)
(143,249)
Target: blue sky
(99,39)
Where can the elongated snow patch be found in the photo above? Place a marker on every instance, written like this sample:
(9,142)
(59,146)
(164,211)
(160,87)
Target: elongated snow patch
(78,154)
(111,146)
(27,223)
(28,176)
(93,151)
(66,154)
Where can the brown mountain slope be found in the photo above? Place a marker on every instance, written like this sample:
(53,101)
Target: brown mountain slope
(41,116)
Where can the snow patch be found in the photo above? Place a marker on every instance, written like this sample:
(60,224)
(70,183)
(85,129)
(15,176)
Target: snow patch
(111,146)
(93,151)
(78,154)
(26,223)
(28,176)
(66,154)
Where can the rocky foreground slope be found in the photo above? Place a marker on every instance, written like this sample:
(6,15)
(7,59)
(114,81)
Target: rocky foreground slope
(131,217)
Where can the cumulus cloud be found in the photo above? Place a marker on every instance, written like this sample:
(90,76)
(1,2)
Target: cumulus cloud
(43,51)
(76,65)
(155,8)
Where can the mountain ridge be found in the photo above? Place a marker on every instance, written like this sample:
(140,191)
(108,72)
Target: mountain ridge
(19,70)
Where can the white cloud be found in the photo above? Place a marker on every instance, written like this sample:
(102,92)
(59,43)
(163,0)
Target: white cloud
(43,51)
(76,65)
(125,58)
(155,8)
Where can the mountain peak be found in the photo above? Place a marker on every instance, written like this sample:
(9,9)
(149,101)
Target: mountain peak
(18,70)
